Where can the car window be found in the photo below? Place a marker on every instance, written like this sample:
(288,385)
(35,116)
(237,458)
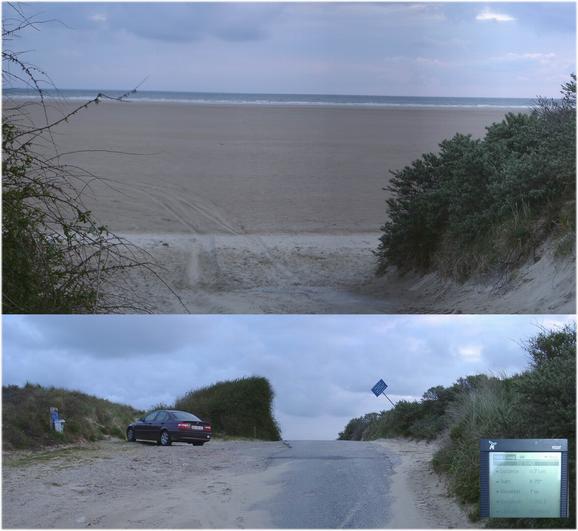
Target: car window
(162,417)
(150,417)
(184,415)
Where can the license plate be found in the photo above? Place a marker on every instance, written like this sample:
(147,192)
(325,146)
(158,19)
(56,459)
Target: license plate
(196,427)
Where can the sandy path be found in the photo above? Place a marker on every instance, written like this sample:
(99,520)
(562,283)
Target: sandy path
(328,273)
(421,497)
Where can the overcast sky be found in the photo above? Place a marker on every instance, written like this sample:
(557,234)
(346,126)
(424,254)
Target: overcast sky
(411,49)
(321,367)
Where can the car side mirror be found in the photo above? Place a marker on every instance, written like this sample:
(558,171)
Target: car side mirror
(141,420)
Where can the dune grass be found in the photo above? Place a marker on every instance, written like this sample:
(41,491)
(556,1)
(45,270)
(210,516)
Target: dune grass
(26,417)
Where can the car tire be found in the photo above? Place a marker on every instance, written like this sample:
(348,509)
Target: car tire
(165,439)
(198,443)
(130,435)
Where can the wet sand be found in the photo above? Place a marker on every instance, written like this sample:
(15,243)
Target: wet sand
(249,168)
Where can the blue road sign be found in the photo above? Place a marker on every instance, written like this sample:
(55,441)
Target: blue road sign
(379,388)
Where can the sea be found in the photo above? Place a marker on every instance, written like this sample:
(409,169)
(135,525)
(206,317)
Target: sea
(221,98)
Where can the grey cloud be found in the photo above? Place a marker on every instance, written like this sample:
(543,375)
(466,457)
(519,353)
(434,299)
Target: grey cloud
(185,22)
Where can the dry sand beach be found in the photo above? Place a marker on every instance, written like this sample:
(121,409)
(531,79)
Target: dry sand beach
(270,209)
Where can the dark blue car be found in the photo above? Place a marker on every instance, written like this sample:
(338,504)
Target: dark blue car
(165,426)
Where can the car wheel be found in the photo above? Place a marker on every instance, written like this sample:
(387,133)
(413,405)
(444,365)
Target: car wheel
(165,439)
(198,443)
(130,435)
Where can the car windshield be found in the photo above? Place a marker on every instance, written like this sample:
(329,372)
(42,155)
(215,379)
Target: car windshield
(183,415)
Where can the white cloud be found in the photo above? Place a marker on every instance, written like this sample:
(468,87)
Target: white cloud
(470,352)
(98,17)
(536,57)
(551,323)
(492,16)
(430,62)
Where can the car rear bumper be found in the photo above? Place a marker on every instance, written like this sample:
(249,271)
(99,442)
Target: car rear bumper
(180,436)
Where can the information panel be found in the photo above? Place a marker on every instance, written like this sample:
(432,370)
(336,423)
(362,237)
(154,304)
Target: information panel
(524,478)
(525,484)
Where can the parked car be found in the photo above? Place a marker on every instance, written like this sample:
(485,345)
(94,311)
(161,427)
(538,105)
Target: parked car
(165,426)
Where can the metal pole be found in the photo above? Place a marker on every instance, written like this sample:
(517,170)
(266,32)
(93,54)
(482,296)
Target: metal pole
(388,399)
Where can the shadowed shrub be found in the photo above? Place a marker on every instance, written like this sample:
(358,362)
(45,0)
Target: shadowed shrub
(237,408)
(482,205)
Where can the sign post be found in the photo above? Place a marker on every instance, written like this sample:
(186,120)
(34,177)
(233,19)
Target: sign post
(379,389)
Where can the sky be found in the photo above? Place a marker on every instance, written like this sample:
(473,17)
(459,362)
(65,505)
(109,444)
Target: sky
(321,367)
(395,49)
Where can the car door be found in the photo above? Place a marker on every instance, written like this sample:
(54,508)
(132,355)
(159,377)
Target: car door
(145,429)
(158,424)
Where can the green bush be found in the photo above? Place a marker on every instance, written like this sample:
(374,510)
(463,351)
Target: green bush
(483,204)
(425,419)
(26,418)
(237,408)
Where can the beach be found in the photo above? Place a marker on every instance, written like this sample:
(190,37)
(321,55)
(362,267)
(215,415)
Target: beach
(252,168)
(264,208)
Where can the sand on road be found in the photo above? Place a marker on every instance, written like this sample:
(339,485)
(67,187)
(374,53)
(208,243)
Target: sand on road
(114,484)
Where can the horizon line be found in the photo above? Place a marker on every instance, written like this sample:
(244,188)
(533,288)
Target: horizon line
(278,93)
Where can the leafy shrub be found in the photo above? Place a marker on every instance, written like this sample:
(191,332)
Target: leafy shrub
(479,204)
(237,408)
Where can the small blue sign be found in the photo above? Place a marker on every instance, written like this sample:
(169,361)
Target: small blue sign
(379,388)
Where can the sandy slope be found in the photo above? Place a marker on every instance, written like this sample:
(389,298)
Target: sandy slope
(313,273)
(421,497)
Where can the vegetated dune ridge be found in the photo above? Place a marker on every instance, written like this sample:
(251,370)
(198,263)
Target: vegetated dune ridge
(264,209)
(26,416)
(236,408)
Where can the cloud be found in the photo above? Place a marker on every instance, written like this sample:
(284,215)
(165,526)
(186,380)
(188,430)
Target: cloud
(470,353)
(492,16)
(532,57)
(193,22)
(427,61)
(540,57)
(98,17)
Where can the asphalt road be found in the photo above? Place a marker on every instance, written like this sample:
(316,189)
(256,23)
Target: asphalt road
(223,485)
(331,484)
